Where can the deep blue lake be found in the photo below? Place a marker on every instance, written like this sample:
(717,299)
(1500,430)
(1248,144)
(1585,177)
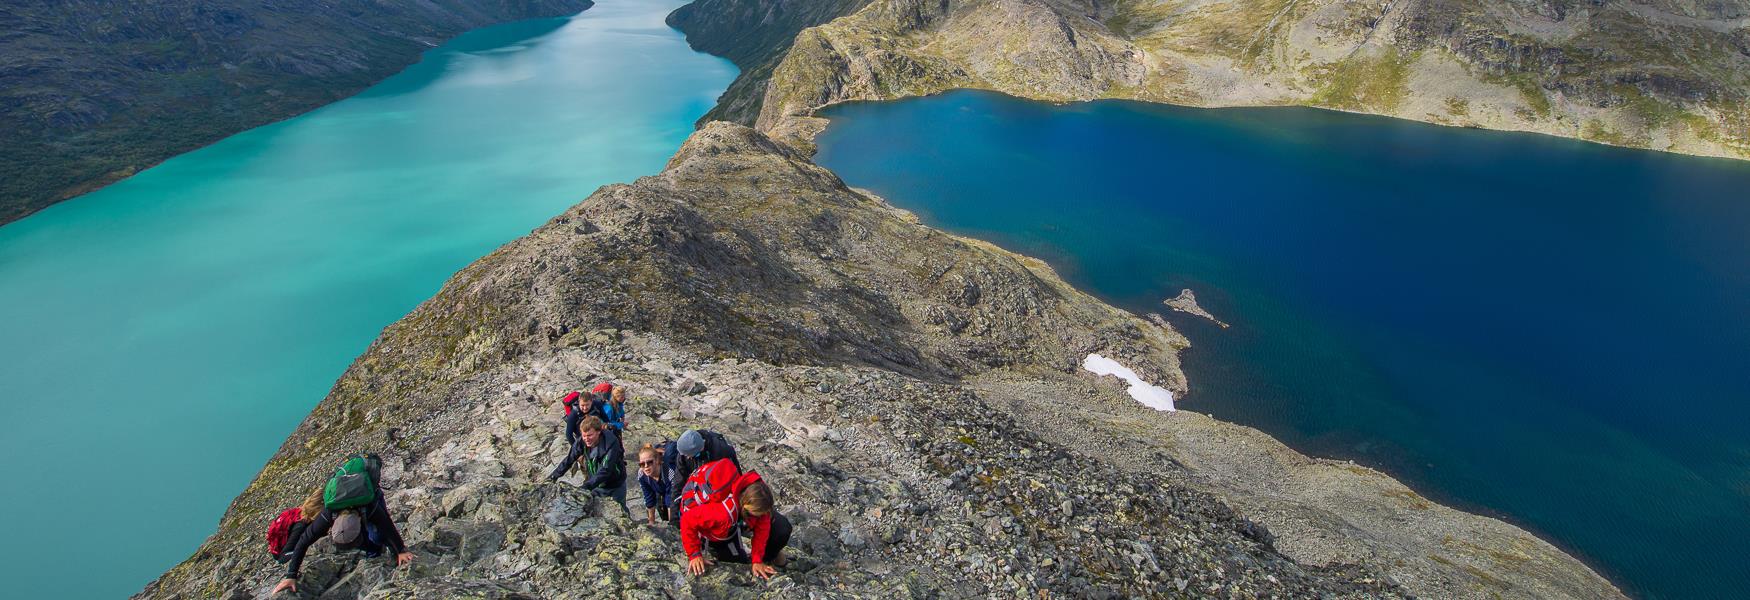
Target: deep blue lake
(163,335)
(1545,330)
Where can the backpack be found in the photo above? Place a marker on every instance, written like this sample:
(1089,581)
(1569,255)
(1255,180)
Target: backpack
(710,483)
(671,466)
(354,484)
(287,527)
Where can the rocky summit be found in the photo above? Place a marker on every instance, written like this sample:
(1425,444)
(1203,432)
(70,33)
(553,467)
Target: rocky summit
(915,399)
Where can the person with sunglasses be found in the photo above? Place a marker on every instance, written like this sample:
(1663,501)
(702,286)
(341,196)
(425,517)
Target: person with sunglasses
(653,481)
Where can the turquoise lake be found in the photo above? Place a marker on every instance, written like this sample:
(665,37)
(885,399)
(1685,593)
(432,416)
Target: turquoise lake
(163,335)
(1540,329)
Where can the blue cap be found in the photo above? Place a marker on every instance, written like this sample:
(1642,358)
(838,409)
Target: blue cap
(691,443)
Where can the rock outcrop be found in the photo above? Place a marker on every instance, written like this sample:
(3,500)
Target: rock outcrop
(1640,73)
(914,397)
(754,35)
(1186,302)
(92,92)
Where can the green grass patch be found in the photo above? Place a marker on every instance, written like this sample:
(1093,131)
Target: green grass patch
(1373,83)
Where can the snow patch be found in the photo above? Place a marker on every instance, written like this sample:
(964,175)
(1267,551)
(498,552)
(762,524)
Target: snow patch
(1150,395)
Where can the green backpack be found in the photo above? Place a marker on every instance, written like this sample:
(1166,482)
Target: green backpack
(354,484)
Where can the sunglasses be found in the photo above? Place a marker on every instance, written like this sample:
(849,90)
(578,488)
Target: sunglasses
(646,463)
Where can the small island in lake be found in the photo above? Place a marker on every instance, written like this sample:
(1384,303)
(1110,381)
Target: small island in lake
(1186,302)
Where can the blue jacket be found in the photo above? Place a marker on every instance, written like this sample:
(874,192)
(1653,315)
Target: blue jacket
(613,416)
(655,490)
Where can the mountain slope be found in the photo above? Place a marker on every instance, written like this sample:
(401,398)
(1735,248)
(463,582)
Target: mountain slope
(1654,74)
(91,92)
(753,34)
(916,398)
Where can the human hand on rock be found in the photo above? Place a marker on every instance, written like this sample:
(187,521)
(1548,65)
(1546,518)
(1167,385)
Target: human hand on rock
(763,571)
(696,565)
(290,585)
(403,559)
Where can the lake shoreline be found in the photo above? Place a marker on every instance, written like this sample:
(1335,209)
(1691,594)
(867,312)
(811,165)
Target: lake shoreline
(918,167)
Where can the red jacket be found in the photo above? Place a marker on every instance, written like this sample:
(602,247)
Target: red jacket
(716,522)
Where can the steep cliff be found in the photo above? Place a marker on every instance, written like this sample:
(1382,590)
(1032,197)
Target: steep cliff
(754,35)
(915,398)
(1649,74)
(91,92)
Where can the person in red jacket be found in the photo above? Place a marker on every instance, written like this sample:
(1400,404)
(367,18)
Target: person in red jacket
(720,525)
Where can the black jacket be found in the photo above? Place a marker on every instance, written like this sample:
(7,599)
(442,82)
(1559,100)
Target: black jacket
(606,462)
(716,448)
(376,513)
(586,405)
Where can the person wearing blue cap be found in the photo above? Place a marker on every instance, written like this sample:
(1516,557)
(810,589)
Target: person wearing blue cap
(694,448)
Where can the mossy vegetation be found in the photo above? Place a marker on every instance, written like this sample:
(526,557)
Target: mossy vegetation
(1378,83)
(1652,112)
(1457,107)
(1245,30)
(1597,131)
(1530,90)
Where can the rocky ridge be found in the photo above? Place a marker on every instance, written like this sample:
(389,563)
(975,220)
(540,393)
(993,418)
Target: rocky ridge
(915,398)
(1641,73)
(92,92)
(753,34)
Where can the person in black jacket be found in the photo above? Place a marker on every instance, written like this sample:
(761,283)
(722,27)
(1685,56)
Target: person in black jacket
(604,459)
(368,528)
(694,448)
(574,414)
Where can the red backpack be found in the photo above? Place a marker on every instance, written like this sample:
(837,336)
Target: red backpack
(280,531)
(711,482)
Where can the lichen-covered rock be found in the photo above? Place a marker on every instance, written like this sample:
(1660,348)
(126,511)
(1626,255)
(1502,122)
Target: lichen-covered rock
(749,291)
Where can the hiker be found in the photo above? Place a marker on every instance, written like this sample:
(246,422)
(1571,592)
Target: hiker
(614,410)
(603,458)
(353,515)
(286,528)
(722,505)
(697,447)
(573,414)
(653,481)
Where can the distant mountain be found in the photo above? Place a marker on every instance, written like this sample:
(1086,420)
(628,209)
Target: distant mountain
(91,92)
(1641,73)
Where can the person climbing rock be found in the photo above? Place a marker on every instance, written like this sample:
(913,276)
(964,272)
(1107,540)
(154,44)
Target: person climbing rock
(286,528)
(573,414)
(746,511)
(354,516)
(603,458)
(697,447)
(614,410)
(653,481)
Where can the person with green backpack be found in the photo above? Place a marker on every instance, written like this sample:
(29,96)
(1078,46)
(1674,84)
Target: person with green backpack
(353,515)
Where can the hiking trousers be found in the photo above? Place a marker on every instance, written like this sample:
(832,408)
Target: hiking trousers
(732,550)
